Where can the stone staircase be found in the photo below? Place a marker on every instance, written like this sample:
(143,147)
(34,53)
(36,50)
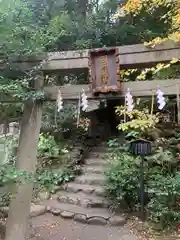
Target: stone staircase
(84,200)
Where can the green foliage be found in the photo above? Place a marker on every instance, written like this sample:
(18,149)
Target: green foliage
(58,25)
(162,71)
(162,183)
(9,110)
(20,34)
(47,147)
(165,158)
(48,179)
(139,121)
(122,178)
(64,120)
(44,178)
(9,175)
(164,190)
(68,117)
(33,27)
(52,153)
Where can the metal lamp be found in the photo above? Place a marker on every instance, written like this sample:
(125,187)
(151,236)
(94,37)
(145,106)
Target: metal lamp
(141,148)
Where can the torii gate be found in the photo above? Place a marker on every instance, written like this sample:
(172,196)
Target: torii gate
(133,56)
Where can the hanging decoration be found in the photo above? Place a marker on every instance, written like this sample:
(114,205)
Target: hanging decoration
(84,101)
(160,99)
(138,101)
(59,101)
(129,101)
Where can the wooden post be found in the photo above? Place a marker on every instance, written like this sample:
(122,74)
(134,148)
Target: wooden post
(152,103)
(178,103)
(26,161)
(6,126)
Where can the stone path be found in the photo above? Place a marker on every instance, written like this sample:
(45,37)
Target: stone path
(48,227)
(83,200)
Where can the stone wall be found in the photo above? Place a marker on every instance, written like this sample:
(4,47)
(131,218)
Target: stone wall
(9,128)
(6,143)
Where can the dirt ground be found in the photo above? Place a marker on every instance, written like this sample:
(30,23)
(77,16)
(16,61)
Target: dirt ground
(48,227)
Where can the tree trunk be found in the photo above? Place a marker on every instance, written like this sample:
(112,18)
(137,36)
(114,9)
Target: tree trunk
(26,161)
(82,7)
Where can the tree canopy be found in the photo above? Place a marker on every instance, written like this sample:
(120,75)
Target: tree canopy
(36,26)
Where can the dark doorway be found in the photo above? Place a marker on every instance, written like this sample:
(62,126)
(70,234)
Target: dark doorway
(106,120)
(113,119)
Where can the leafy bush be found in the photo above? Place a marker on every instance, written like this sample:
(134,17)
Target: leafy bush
(64,120)
(122,178)
(7,175)
(47,147)
(48,155)
(162,183)
(50,152)
(164,192)
(47,178)
(138,123)
(55,167)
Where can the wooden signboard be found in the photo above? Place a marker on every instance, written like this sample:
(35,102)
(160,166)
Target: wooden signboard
(104,70)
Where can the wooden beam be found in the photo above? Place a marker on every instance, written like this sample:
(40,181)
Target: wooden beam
(138,89)
(129,56)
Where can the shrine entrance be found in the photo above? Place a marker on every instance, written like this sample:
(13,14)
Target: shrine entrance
(104,121)
(105,83)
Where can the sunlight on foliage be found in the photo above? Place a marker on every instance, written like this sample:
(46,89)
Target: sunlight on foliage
(138,121)
(169,12)
(160,71)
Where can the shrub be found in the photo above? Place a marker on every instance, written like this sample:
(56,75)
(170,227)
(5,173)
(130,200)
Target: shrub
(50,171)
(47,178)
(164,192)
(47,147)
(162,183)
(51,152)
(122,178)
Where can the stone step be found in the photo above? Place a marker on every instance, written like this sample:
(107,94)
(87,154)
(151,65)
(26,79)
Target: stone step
(96,162)
(35,210)
(87,189)
(95,216)
(91,179)
(101,149)
(93,169)
(82,199)
(97,155)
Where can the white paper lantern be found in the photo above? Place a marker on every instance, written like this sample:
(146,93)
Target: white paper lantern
(129,101)
(160,99)
(59,101)
(84,101)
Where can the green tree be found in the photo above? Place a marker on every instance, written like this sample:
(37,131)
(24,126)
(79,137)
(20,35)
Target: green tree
(21,36)
(35,26)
